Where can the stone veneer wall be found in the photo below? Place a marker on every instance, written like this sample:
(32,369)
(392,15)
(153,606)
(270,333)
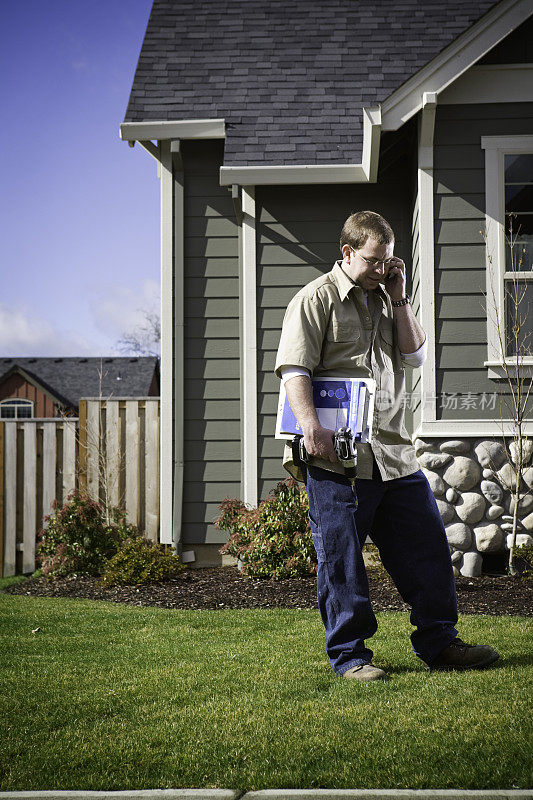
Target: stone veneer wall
(472,481)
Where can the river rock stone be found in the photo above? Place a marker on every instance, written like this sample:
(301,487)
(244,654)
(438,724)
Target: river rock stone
(456,571)
(457,557)
(490,454)
(472,563)
(527,451)
(434,460)
(445,510)
(471,507)
(487,474)
(522,540)
(489,538)
(527,475)
(452,496)
(507,518)
(527,522)
(506,526)
(525,504)
(492,491)
(435,481)
(463,473)
(459,536)
(495,511)
(421,446)
(455,446)
(507,476)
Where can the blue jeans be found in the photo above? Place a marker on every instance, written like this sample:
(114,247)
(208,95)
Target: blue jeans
(402,519)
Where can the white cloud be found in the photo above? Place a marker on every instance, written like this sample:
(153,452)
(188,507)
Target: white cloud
(118,310)
(24,333)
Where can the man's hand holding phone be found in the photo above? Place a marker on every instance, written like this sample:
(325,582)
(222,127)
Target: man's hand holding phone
(394,280)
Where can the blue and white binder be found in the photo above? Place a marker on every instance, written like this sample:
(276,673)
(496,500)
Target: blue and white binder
(339,402)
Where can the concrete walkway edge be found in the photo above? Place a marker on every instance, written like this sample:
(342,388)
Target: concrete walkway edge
(279,794)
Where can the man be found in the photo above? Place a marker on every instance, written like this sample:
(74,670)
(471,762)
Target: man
(357,321)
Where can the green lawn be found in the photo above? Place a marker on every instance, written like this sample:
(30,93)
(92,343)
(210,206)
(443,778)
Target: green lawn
(115,697)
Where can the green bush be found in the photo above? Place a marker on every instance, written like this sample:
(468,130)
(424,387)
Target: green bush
(140,561)
(77,539)
(524,557)
(273,540)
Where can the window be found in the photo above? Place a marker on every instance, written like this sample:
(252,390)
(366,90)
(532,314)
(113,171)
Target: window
(13,408)
(509,238)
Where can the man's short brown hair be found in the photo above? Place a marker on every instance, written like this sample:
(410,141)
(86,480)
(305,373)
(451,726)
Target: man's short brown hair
(364,224)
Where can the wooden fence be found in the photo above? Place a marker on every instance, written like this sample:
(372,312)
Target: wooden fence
(111,452)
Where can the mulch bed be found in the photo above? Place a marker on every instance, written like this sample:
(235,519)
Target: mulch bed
(224,587)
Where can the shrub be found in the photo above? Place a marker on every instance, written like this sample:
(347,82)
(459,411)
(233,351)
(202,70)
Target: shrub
(77,540)
(140,561)
(524,556)
(273,540)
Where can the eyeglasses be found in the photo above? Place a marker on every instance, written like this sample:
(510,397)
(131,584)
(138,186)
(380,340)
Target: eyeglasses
(373,262)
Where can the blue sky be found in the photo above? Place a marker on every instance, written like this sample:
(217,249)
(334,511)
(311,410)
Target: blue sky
(79,214)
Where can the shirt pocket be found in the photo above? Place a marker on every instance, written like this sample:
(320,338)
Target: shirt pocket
(391,354)
(343,332)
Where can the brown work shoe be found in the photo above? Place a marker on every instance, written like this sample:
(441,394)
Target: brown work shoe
(459,655)
(365,672)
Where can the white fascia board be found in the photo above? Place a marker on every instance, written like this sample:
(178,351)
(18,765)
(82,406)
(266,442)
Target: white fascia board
(304,173)
(453,61)
(180,129)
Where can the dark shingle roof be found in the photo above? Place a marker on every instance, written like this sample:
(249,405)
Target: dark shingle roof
(68,379)
(290,77)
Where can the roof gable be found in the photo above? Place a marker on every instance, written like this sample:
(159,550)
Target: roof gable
(68,379)
(289,77)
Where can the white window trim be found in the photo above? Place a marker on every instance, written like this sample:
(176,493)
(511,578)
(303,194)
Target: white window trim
(23,402)
(496,147)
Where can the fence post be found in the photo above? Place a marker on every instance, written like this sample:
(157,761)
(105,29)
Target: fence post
(1,498)
(10,497)
(30,497)
(82,453)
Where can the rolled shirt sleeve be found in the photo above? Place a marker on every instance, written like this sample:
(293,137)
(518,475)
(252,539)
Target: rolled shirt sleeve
(417,358)
(290,371)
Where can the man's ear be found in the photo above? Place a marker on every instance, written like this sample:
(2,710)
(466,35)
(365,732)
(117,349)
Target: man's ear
(345,250)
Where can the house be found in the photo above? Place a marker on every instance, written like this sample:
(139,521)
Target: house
(271,123)
(52,387)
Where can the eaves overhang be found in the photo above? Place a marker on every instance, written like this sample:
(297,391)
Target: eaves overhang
(175,129)
(393,112)
(365,172)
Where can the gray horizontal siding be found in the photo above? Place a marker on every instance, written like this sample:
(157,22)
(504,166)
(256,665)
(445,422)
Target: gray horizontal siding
(212,430)
(210,492)
(212,386)
(212,368)
(220,410)
(452,307)
(212,329)
(460,256)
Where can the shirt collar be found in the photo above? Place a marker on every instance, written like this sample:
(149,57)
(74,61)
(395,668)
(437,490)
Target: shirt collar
(345,284)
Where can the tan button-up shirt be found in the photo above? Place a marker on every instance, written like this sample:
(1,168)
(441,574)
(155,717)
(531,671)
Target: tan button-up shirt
(330,331)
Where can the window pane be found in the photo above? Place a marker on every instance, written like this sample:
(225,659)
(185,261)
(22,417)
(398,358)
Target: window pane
(519,168)
(519,312)
(7,412)
(24,412)
(519,229)
(519,197)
